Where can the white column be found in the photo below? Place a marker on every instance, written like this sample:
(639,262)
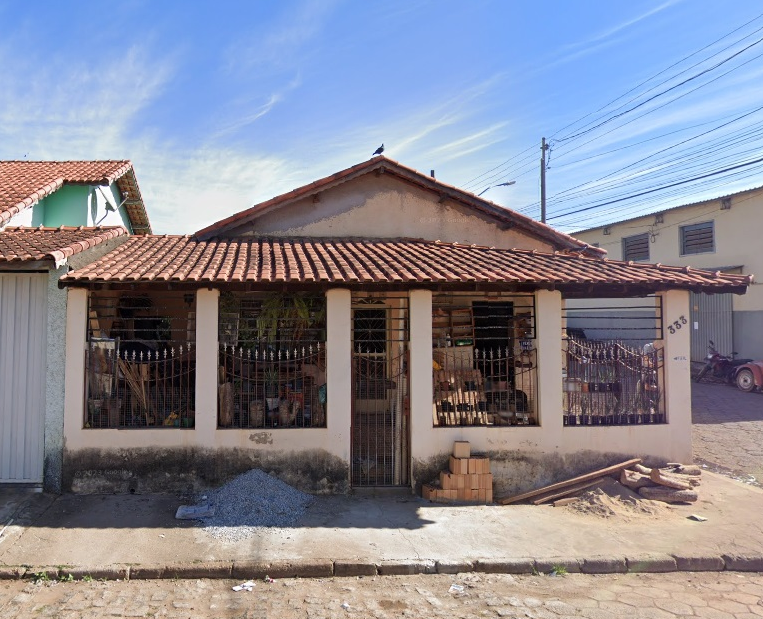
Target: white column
(420,368)
(76,334)
(339,370)
(677,347)
(548,325)
(206,366)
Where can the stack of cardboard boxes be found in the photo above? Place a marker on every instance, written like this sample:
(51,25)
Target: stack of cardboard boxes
(468,478)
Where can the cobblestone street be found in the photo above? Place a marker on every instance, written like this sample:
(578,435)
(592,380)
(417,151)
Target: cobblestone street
(727,430)
(723,595)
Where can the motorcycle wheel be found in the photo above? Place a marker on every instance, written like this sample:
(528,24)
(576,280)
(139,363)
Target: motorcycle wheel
(745,380)
(701,374)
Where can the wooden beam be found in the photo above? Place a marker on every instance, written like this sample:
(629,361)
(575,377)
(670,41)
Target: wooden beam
(572,489)
(615,468)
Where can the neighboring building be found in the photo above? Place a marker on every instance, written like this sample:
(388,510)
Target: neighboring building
(54,216)
(715,235)
(344,334)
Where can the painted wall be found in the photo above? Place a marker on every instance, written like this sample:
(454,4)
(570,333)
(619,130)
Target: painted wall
(527,457)
(55,380)
(76,205)
(382,207)
(737,230)
(318,459)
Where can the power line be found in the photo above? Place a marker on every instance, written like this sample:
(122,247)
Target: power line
(643,193)
(646,81)
(659,94)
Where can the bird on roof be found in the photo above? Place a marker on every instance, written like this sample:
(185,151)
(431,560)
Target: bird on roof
(379,150)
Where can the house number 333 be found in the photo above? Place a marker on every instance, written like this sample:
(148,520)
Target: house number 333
(677,324)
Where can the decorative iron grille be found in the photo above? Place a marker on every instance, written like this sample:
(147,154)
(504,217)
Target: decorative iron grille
(140,360)
(272,363)
(609,383)
(484,360)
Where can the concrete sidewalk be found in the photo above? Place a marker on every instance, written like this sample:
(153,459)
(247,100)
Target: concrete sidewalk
(121,536)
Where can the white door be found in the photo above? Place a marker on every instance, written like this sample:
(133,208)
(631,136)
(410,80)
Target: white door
(23,327)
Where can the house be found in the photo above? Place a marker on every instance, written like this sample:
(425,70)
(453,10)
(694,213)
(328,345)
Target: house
(54,216)
(715,235)
(344,334)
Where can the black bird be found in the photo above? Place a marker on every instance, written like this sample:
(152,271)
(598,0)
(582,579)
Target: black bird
(379,150)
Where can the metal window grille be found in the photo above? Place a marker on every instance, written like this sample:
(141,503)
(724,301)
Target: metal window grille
(698,238)
(140,360)
(272,367)
(485,363)
(636,247)
(609,383)
(380,388)
(634,321)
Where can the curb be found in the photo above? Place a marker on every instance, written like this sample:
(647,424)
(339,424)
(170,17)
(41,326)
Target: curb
(325,568)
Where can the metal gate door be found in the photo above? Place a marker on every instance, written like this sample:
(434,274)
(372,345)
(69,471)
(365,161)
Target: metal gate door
(23,325)
(380,391)
(711,319)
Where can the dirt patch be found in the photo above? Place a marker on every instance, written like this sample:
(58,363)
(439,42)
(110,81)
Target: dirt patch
(610,499)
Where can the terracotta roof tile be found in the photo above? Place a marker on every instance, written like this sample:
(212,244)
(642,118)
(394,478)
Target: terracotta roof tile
(24,183)
(20,244)
(382,262)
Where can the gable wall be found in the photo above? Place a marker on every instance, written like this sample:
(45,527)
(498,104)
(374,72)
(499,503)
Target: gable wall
(384,207)
(75,205)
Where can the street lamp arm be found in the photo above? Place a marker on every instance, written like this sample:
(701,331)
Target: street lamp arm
(498,185)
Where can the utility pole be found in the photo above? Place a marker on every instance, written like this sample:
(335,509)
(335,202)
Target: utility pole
(543,149)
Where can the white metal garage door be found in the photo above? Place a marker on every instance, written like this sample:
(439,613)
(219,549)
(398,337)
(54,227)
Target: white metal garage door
(23,324)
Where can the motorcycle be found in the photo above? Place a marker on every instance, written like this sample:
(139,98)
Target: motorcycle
(724,367)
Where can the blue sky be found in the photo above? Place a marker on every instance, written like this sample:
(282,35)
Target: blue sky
(223,104)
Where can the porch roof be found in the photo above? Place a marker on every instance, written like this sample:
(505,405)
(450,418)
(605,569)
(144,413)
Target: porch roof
(24,183)
(20,244)
(383,263)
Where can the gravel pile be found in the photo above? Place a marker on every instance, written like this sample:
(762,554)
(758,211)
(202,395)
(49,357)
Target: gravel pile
(250,502)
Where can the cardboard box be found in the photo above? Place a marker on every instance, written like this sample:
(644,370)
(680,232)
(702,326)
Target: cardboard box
(461,449)
(459,466)
(486,481)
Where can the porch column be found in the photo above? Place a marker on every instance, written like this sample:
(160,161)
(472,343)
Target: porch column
(339,370)
(548,325)
(677,350)
(74,395)
(206,366)
(421,395)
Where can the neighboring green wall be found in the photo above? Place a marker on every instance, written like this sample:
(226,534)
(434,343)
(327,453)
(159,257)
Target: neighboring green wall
(69,206)
(80,205)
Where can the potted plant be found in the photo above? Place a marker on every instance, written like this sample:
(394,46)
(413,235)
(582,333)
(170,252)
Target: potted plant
(271,388)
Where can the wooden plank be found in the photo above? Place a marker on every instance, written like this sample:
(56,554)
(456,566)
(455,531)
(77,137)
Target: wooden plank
(668,495)
(615,468)
(567,501)
(576,488)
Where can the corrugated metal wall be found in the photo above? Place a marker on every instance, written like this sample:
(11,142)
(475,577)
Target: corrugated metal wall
(711,319)
(23,324)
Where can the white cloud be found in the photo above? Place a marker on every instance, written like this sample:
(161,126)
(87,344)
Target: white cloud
(282,45)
